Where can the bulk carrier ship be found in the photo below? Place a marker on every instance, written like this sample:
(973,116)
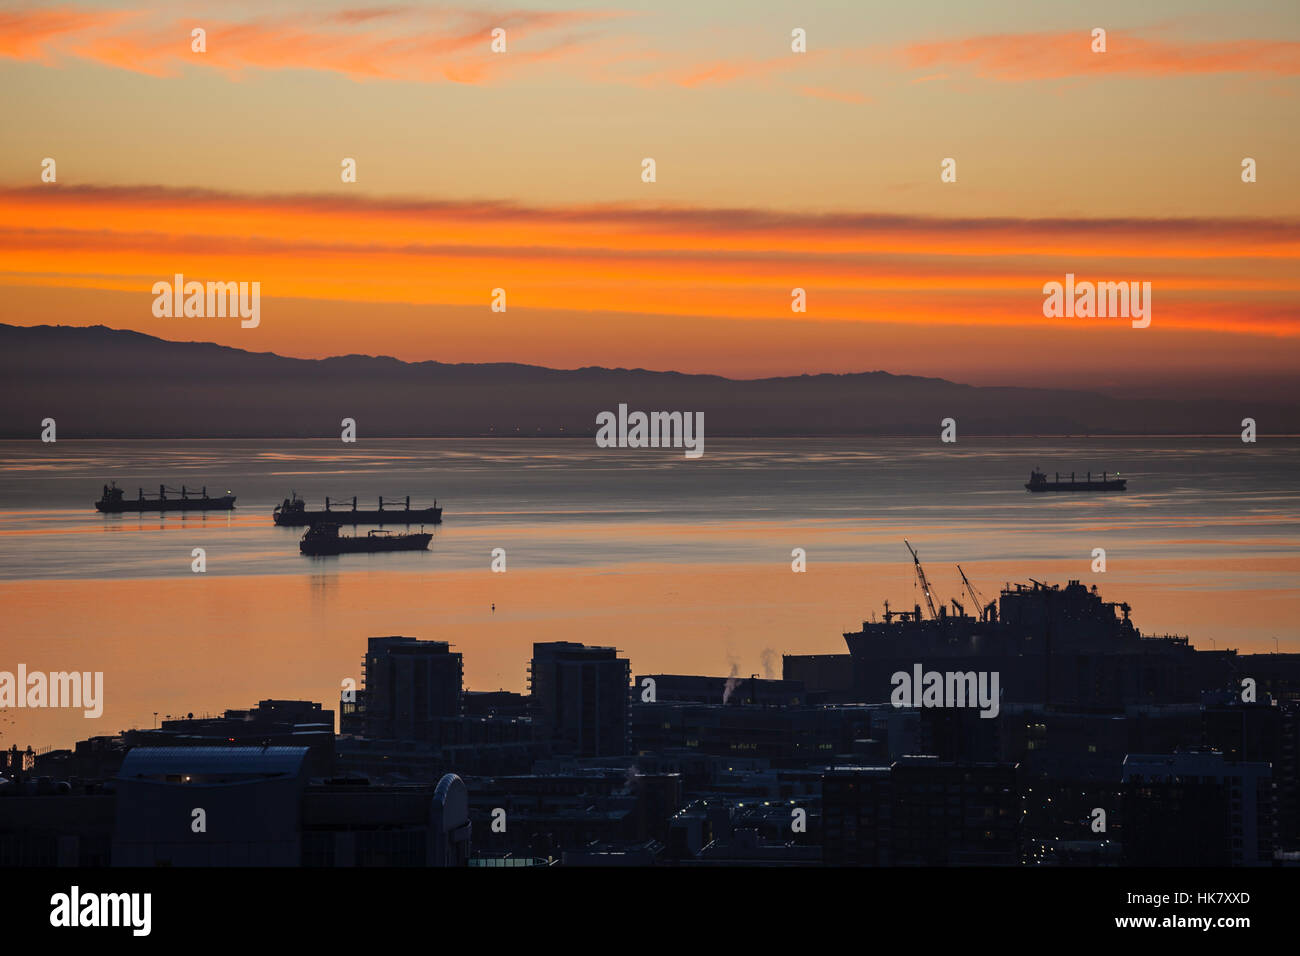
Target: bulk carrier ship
(1038,482)
(293,513)
(114,501)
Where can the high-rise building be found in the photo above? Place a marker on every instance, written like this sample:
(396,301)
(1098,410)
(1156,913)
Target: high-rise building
(857,805)
(955,813)
(1286,778)
(409,686)
(921,811)
(580,698)
(1197,809)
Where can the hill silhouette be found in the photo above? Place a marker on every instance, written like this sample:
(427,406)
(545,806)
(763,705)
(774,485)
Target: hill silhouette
(99,382)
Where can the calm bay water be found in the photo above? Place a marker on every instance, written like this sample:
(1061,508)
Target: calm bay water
(564,503)
(683,565)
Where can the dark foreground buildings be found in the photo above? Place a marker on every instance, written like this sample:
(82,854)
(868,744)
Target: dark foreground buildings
(921,812)
(1105,747)
(410,685)
(580,698)
(1198,809)
(1051,646)
(233,806)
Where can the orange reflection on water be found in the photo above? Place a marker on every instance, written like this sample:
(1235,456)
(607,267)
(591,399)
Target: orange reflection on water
(203,644)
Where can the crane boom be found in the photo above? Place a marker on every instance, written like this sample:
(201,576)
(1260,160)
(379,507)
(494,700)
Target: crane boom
(970,589)
(980,602)
(920,576)
(974,594)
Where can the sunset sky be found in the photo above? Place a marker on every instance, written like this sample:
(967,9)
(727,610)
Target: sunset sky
(775,170)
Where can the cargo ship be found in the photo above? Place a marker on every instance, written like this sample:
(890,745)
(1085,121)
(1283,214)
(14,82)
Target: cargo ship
(115,501)
(293,513)
(1038,482)
(322,539)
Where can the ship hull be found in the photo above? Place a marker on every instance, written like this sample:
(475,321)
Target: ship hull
(367,545)
(136,506)
(1119,485)
(299,519)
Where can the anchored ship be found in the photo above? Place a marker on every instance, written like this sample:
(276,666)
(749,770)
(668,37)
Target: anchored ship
(115,501)
(1038,482)
(324,538)
(293,513)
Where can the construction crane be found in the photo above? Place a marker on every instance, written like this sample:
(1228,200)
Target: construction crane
(975,595)
(920,576)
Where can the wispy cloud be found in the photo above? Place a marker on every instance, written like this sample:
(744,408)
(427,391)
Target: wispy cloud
(1016,57)
(409,43)
(39,35)
(396,43)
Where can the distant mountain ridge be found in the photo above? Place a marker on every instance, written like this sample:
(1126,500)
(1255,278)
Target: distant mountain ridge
(98,382)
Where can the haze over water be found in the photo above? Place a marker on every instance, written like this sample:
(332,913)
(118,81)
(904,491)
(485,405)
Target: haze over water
(683,565)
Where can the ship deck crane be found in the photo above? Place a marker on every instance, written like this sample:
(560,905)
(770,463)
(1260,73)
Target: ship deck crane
(920,576)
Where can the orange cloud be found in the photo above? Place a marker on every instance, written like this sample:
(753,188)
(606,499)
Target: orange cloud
(1036,56)
(415,44)
(398,43)
(37,34)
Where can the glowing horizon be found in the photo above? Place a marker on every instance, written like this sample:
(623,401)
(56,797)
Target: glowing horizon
(775,170)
